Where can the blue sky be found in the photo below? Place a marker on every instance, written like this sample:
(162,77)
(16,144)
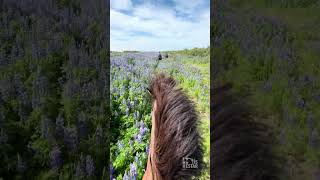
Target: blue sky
(157,25)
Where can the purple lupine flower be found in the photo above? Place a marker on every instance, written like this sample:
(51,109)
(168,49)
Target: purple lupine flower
(267,86)
(79,172)
(70,138)
(307,80)
(142,124)
(40,84)
(139,138)
(301,103)
(125,177)
(21,165)
(71,88)
(111,171)
(35,51)
(23,95)
(7,89)
(81,167)
(314,139)
(90,168)
(35,101)
(129,103)
(137,124)
(142,131)
(127,111)
(120,145)
(282,137)
(23,114)
(136,158)
(136,115)
(309,121)
(147,148)
(82,126)
(87,90)
(133,171)
(61,81)
(59,126)
(56,160)
(44,127)
(99,135)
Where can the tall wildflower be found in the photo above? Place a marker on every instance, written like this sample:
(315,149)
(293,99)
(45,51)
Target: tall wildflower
(70,138)
(59,131)
(90,168)
(56,160)
(99,135)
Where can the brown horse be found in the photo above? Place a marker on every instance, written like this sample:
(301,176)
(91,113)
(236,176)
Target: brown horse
(174,136)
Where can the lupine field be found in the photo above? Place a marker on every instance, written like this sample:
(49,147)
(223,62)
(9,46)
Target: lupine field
(270,51)
(131,107)
(53,86)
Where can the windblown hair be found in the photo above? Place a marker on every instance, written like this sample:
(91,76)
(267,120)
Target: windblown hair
(241,148)
(176,132)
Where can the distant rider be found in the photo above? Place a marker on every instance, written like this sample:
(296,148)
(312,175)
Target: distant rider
(159,56)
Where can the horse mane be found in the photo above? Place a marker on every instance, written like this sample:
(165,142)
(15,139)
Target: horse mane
(241,148)
(176,132)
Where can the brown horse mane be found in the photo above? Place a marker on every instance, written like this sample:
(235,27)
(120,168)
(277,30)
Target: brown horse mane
(176,131)
(241,148)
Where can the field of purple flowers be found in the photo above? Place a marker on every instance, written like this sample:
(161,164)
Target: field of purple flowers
(53,89)
(271,55)
(131,108)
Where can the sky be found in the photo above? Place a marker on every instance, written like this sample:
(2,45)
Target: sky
(159,25)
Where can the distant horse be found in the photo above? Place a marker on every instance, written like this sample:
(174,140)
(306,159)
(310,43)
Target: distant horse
(159,56)
(241,148)
(175,146)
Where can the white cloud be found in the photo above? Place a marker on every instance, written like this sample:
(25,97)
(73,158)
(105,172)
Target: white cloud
(154,28)
(121,4)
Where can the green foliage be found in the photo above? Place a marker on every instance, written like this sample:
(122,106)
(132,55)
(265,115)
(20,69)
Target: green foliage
(202,52)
